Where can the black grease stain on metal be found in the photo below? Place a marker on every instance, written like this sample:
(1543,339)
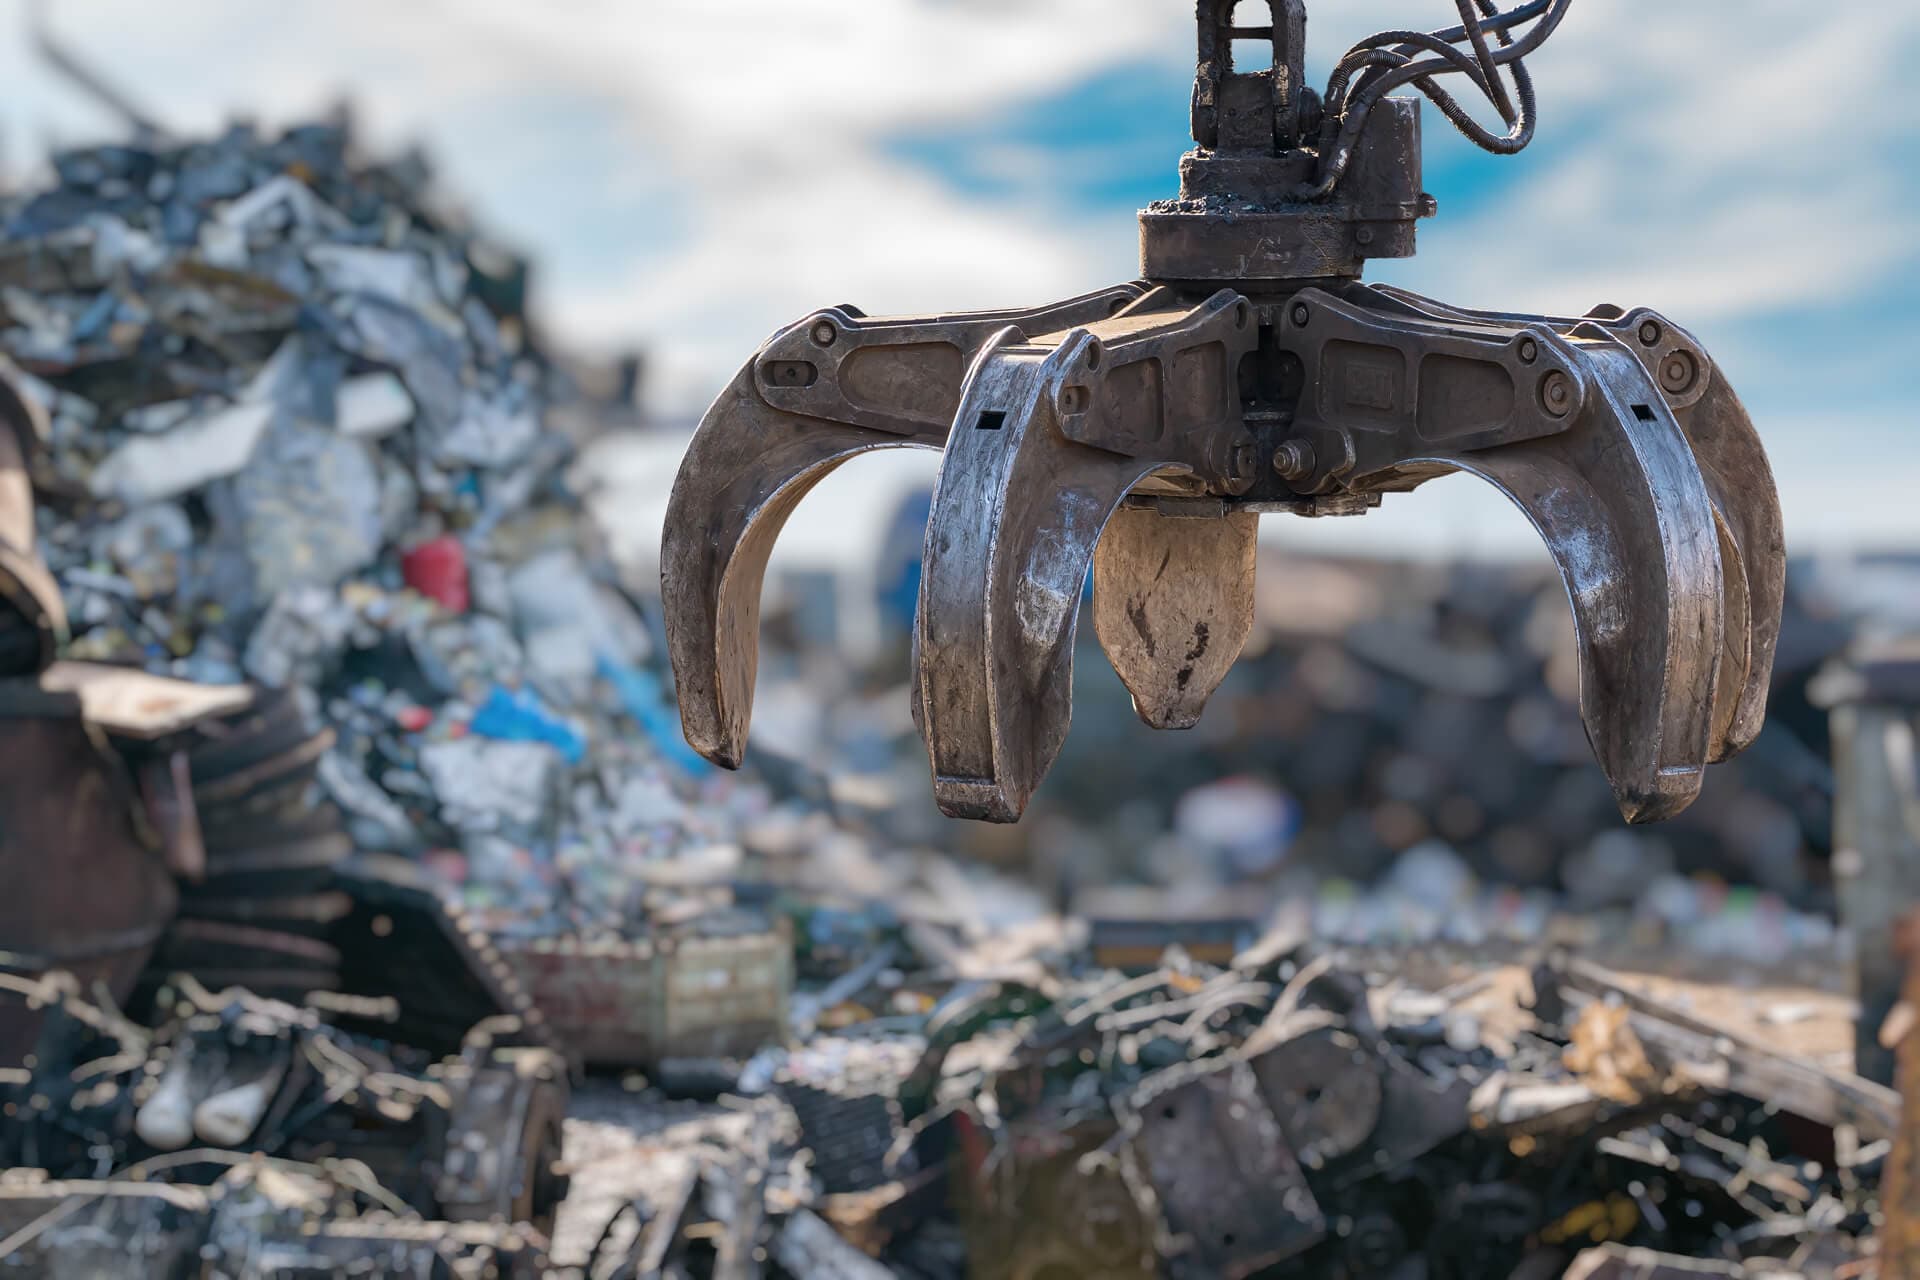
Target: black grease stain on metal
(1193,656)
(1137,614)
(1200,638)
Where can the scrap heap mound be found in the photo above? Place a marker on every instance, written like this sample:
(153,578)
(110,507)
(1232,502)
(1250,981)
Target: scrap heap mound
(999,1111)
(302,436)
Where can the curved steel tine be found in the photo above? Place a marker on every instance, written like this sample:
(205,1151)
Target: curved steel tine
(1173,607)
(1017,513)
(748,467)
(1738,477)
(1741,482)
(821,391)
(1736,639)
(1623,507)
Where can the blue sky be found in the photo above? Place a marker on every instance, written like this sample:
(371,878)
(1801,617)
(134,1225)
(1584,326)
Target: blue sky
(694,173)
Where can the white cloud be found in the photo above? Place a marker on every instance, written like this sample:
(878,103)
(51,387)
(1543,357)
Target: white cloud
(769,76)
(887,239)
(1705,164)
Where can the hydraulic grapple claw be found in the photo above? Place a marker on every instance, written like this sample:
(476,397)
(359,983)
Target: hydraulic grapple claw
(1141,431)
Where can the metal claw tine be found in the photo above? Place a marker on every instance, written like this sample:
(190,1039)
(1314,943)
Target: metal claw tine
(821,391)
(1739,481)
(1623,508)
(745,472)
(1017,512)
(1173,607)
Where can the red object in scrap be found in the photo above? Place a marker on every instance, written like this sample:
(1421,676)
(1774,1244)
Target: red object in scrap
(438,570)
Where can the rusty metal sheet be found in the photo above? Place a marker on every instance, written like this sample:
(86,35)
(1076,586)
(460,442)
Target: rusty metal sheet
(1227,1181)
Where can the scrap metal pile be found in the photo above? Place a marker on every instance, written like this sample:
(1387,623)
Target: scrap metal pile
(300,435)
(1385,707)
(250,1137)
(1000,1106)
(1289,1114)
(1394,707)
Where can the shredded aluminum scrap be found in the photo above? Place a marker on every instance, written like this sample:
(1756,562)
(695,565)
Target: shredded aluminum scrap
(1140,431)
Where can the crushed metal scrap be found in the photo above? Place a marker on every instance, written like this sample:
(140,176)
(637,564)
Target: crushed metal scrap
(238,1128)
(1289,1114)
(975,1104)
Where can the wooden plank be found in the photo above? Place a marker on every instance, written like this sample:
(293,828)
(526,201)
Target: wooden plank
(1740,1064)
(130,703)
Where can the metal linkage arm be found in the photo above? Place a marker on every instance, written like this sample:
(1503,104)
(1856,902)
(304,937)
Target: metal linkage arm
(1381,384)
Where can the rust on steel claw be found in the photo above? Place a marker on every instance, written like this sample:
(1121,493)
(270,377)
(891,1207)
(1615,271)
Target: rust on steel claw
(1140,432)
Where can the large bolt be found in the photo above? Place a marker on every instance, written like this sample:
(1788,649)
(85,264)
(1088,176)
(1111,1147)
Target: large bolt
(1233,460)
(1649,332)
(824,333)
(1294,460)
(1678,371)
(1556,394)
